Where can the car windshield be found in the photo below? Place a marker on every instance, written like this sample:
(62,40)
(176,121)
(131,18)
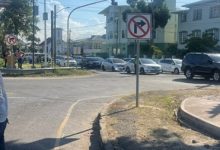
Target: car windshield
(70,58)
(147,61)
(177,61)
(215,57)
(94,59)
(115,60)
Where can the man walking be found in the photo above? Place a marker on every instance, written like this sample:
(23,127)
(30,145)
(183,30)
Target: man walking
(3,113)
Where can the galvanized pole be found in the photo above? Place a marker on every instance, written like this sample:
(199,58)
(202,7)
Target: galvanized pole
(52,38)
(137,72)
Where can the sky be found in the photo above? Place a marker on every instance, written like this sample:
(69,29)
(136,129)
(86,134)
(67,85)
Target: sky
(84,22)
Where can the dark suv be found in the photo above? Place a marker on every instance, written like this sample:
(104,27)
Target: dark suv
(204,64)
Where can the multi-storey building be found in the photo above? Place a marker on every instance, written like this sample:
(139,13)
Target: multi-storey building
(202,16)
(116,30)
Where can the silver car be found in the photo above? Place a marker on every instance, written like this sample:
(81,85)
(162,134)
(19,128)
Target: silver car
(171,65)
(113,64)
(145,66)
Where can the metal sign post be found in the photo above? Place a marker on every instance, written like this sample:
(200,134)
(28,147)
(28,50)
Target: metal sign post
(139,27)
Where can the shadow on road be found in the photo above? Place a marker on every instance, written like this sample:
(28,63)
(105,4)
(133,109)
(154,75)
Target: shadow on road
(162,139)
(198,81)
(43,144)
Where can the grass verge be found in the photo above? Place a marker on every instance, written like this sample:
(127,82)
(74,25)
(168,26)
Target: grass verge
(153,126)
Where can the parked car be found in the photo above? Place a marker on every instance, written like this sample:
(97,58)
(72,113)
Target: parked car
(63,60)
(93,62)
(78,59)
(145,66)
(113,64)
(203,64)
(171,65)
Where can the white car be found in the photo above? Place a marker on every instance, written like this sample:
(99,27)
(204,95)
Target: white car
(63,60)
(171,65)
(113,64)
(145,66)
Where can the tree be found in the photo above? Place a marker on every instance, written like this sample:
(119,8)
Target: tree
(206,43)
(16,18)
(157,8)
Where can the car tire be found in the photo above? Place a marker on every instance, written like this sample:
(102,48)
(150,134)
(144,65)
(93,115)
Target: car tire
(128,70)
(113,69)
(216,75)
(103,68)
(188,73)
(176,71)
(142,71)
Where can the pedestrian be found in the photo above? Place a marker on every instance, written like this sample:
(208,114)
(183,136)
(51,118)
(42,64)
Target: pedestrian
(3,113)
(5,55)
(19,55)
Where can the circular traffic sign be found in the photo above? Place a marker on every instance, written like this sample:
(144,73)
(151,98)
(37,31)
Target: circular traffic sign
(139,29)
(11,39)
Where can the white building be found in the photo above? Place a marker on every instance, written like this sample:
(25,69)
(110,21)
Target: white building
(116,30)
(202,16)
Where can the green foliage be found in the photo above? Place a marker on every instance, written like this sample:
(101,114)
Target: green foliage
(157,8)
(149,50)
(201,44)
(1,62)
(171,50)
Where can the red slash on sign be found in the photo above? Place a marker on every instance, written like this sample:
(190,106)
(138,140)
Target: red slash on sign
(11,39)
(139,26)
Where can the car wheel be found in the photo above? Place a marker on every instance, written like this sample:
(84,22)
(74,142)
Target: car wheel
(113,69)
(176,71)
(103,68)
(216,75)
(142,71)
(188,73)
(128,70)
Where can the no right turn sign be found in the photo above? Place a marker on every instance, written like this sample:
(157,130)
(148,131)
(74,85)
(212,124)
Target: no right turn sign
(139,26)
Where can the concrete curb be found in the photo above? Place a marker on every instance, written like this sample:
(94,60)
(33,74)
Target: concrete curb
(106,143)
(198,122)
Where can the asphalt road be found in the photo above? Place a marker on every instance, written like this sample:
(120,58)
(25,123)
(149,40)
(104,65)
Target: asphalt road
(59,113)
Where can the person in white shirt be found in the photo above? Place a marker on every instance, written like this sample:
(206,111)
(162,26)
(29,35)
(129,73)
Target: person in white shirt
(3,113)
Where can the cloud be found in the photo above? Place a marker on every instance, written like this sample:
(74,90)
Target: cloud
(79,29)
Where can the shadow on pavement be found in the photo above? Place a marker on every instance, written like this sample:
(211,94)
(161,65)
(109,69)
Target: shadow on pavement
(119,111)
(161,139)
(43,144)
(95,138)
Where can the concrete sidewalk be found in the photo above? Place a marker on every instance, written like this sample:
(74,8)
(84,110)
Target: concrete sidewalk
(203,114)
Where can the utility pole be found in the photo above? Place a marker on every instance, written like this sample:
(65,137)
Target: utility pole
(55,35)
(45,18)
(52,39)
(33,28)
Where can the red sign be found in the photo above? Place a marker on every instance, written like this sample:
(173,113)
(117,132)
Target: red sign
(139,26)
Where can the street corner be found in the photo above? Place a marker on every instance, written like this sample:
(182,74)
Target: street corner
(202,113)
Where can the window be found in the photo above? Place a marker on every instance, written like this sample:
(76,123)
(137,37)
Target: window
(215,12)
(196,33)
(214,33)
(111,35)
(183,17)
(182,37)
(197,14)
(123,34)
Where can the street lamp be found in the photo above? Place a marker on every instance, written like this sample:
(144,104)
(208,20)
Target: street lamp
(55,32)
(68,34)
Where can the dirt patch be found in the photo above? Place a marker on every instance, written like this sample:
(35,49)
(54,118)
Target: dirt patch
(153,126)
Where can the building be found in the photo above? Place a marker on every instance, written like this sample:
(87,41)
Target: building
(60,44)
(92,46)
(116,30)
(199,17)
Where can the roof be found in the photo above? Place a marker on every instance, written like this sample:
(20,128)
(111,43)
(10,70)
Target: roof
(180,11)
(201,2)
(106,10)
